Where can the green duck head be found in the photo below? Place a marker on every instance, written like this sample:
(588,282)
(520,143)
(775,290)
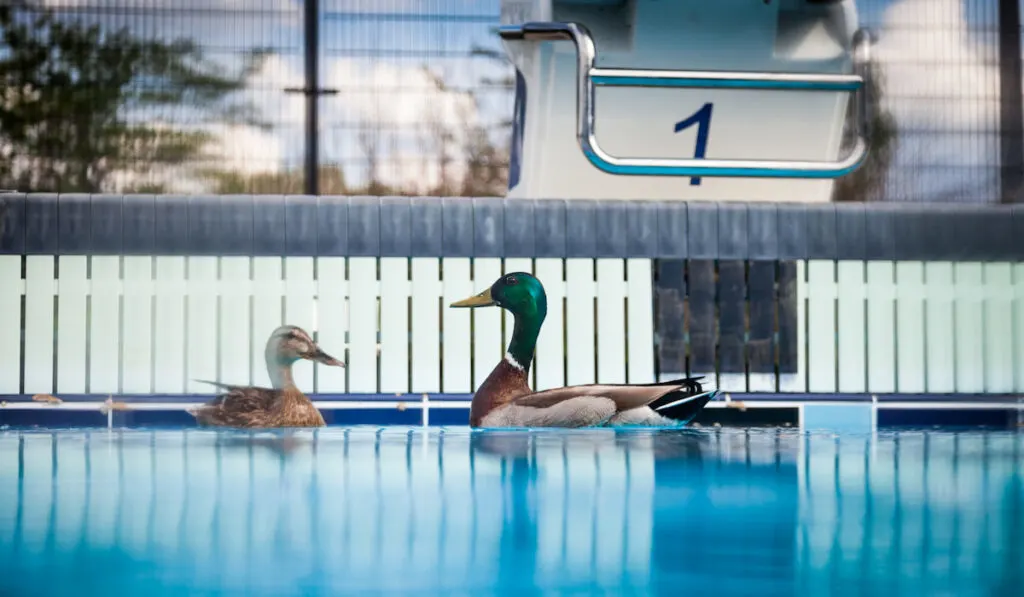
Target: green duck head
(522,295)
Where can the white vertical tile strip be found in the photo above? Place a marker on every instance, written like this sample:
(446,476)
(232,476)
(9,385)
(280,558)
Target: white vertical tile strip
(137,334)
(487,348)
(550,359)
(998,328)
(201,343)
(332,322)
(362,325)
(1018,330)
(852,357)
(579,321)
(910,331)
(426,324)
(105,325)
(72,341)
(299,310)
(234,341)
(11,288)
(39,293)
(881,327)
(821,326)
(267,311)
(169,343)
(611,321)
(970,332)
(456,337)
(940,351)
(394,325)
(640,320)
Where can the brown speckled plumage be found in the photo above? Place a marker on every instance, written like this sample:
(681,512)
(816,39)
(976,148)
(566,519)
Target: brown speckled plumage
(284,405)
(259,407)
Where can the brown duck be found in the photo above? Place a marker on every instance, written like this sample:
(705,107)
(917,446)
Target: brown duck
(284,405)
(506,400)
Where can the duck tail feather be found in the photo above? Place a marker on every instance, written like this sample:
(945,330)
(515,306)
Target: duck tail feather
(691,386)
(683,407)
(218,384)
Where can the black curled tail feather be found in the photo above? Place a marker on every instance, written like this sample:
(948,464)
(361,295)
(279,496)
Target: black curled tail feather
(685,403)
(691,387)
(685,408)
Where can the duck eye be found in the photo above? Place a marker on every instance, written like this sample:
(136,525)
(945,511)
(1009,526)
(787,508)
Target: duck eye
(511,281)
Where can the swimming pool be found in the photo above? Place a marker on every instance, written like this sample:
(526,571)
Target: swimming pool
(366,510)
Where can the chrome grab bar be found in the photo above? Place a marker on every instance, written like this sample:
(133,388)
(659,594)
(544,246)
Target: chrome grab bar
(588,77)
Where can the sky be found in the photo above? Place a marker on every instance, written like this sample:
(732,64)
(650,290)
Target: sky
(939,57)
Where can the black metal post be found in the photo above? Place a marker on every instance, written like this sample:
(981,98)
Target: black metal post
(1011,114)
(312,91)
(312,16)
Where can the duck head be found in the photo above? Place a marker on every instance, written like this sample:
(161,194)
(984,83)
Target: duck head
(518,292)
(523,295)
(290,343)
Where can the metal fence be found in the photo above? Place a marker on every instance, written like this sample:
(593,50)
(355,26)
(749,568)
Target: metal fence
(416,98)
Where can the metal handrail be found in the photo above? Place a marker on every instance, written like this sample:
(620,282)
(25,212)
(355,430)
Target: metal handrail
(588,77)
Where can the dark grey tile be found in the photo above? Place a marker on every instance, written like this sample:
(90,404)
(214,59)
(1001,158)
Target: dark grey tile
(580,228)
(879,233)
(332,226)
(301,225)
(457,227)
(12,223)
(673,235)
(236,225)
(74,232)
(702,230)
(269,227)
(204,226)
(610,228)
(821,231)
(364,226)
(427,224)
(41,224)
(792,226)
(139,221)
(549,216)
(519,228)
(642,229)
(106,224)
(850,231)
(732,230)
(488,227)
(762,231)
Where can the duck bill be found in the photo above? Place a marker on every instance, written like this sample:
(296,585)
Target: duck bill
(481,300)
(322,357)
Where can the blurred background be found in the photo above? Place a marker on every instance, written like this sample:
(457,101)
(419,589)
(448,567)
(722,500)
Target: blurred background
(165,96)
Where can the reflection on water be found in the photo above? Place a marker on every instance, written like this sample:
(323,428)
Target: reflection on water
(368,510)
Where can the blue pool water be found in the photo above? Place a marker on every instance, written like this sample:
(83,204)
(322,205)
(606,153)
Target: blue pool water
(367,511)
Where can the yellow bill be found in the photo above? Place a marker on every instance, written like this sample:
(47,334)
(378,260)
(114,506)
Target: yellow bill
(481,300)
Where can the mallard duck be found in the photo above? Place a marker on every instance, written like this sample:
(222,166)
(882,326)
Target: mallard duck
(284,405)
(505,400)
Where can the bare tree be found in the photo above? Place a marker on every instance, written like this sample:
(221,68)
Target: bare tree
(868,183)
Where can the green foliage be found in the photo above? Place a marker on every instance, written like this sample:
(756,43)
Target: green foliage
(76,102)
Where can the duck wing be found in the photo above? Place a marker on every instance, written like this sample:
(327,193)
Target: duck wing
(625,396)
(241,398)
